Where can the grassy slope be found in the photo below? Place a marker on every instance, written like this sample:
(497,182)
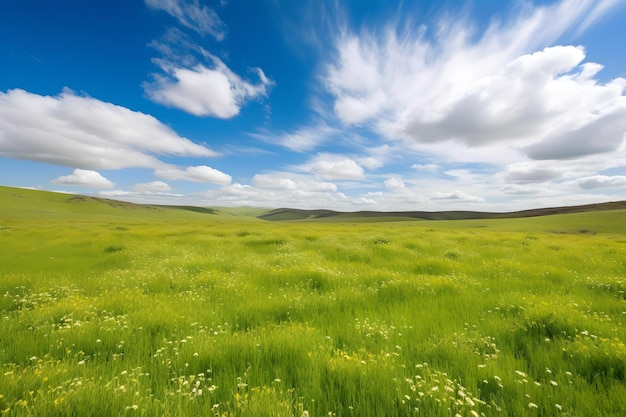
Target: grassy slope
(19,203)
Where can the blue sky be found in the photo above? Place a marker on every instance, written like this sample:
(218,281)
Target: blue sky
(348,105)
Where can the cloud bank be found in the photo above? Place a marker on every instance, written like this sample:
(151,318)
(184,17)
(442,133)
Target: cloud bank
(505,86)
(86,133)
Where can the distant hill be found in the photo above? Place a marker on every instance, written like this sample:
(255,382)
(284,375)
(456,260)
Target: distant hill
(285,214)
(27,203)
(20,202)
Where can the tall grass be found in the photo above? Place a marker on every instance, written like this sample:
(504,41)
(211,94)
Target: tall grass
(132,315)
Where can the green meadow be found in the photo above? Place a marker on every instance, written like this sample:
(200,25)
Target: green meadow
(111,309)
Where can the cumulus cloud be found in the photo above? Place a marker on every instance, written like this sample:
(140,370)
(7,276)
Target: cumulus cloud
(602,133)
(152,187)
(601,181)
(83,132)
(192,15)
(198,82)
(335,167)
(504,85)
(371,162)
(394,183)
(84,178)
(200,173)
(205,91)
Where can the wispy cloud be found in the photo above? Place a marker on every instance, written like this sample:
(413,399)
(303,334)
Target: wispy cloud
(302,139)
(193,15)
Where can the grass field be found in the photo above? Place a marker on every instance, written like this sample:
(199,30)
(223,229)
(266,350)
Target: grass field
(110,309)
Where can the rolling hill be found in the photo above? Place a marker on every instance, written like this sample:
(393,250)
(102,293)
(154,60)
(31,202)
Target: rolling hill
(20,202)
(284,214)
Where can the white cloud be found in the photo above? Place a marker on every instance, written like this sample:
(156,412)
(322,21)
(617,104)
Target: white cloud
(371,162)
(501,87)
(601,181)
(204,91)
(84,178)
(152,187)
(271,192)
(602,133)
(529,173)
(302,139)
(272,181)
(192,15)
(84,132)
(394,183)
(335,167)
(198,82)
(602,7)
(424,167)
(516,189)
(290,182)
(200,173)
(457,196)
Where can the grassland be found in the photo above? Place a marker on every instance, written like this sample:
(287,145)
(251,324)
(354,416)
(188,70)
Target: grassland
(109,309)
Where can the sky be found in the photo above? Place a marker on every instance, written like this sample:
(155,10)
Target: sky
(349,105)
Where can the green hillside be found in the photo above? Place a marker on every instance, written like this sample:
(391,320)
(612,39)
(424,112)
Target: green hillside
(20,203)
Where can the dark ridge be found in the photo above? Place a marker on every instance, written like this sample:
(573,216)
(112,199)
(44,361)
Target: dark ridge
(283,214)
(296,214)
